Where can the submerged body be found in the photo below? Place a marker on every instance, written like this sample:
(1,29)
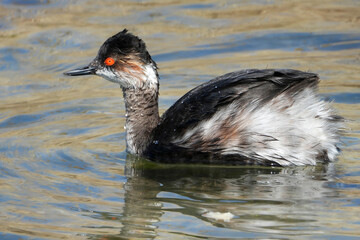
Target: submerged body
(265,117)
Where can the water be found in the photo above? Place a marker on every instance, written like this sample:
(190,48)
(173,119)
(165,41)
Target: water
(64,172)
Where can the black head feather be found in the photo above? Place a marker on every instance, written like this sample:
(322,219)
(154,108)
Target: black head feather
(123,44)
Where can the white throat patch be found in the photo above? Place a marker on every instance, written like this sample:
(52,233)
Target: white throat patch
(147,76)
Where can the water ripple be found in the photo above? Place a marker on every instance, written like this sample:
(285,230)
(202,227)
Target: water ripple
(289,41)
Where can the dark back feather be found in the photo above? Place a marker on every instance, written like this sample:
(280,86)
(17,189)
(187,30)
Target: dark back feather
(246,87)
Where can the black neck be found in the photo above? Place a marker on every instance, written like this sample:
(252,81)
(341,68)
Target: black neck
(142,116)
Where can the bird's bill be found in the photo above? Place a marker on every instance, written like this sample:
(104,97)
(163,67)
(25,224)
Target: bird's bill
(88,70)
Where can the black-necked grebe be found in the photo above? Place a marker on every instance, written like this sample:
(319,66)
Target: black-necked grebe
(265,117)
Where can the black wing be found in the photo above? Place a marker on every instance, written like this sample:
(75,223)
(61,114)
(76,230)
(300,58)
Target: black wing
(203,101)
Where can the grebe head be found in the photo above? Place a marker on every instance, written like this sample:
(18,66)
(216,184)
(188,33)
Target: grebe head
(123,59)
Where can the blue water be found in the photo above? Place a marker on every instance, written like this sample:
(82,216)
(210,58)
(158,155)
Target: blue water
(64,169)
(288,41)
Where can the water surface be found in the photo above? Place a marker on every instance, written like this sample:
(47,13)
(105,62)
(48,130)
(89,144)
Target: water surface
(64,171)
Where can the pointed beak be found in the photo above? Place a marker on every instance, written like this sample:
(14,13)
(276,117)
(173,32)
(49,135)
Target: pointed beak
(88,70)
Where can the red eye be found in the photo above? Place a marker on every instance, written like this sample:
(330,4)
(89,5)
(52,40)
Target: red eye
(109,61)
